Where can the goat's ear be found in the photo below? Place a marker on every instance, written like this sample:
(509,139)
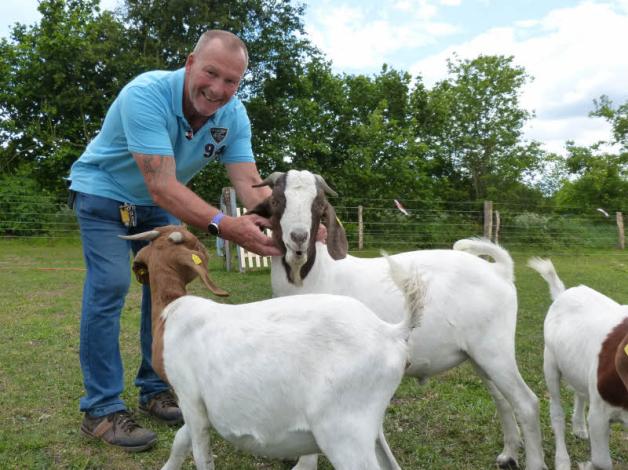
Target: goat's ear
(195,261)
(141,272)
(263,209)
(337,244)
(140,265)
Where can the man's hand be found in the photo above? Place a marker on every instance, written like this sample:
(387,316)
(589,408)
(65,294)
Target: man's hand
(321,235)
(245,231)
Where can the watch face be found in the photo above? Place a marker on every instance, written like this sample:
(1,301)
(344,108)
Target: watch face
(213,229)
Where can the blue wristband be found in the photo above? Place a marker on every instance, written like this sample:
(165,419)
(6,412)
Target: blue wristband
(217,218)
(213,227)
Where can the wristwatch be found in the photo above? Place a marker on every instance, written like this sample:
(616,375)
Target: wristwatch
(214,226)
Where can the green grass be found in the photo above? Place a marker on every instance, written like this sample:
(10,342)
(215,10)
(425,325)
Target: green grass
(448,423)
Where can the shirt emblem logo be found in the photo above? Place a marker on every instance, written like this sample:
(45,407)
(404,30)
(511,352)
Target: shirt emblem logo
(218,133)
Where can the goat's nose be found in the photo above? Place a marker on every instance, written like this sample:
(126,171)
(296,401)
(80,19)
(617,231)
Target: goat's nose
(298,236)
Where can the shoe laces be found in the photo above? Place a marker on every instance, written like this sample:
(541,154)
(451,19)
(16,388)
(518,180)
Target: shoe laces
(125,421)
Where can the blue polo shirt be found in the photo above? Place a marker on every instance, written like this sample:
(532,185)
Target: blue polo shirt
(147,117)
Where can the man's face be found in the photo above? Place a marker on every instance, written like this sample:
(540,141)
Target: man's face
(212,77)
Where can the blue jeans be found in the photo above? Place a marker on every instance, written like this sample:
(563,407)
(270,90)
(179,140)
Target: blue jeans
(106,285)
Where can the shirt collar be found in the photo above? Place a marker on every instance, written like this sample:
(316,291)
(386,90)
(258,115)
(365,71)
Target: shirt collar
(176,85)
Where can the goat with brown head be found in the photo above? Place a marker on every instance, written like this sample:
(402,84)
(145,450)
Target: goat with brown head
(585,334)
(298,201)
(173,259)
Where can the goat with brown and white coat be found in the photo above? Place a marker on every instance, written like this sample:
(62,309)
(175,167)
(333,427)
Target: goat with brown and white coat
(470,313)
(585,335)
(279,378)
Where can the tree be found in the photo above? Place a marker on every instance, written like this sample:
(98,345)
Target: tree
(480,140)
(58,79)
(384,158)
(352,129)
(600,179)
(618,117)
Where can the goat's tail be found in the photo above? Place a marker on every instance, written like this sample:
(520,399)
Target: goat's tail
(547,271)
(484,247)
(411,284)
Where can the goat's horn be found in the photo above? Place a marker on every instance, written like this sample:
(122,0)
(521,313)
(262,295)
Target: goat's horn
(150,235)
(270,180)
(324,185)
(176,237)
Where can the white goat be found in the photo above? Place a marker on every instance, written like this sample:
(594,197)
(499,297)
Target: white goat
(470,313)
(282,377)
(585,339)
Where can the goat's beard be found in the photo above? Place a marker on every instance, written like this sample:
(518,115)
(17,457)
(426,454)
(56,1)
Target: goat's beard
(295,264)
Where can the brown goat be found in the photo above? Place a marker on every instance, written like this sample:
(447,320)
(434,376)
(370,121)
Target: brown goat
(173,259)
(584,331)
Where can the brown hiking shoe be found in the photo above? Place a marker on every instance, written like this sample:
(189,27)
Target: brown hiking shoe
(164,407)
(119,429)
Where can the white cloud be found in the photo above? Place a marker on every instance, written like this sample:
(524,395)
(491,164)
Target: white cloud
(354,41)
(344,39)
(422,10)
(554,133)
(574,55)
(13,11)
(494,41)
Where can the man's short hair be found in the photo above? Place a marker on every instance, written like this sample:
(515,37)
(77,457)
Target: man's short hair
(229,39)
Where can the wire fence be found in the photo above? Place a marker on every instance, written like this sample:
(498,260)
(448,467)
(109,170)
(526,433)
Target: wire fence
(378,224)
(422,229)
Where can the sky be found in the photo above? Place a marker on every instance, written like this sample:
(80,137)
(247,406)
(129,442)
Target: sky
(574,51)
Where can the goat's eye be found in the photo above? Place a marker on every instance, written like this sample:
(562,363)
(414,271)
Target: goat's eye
(274,202)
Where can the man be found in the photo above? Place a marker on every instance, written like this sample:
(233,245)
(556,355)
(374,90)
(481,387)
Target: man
(159,132)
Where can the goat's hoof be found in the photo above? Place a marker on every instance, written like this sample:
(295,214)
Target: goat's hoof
(507,463)
(581,433)
(562,465)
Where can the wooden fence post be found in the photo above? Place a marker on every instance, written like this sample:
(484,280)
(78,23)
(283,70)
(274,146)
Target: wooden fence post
(360,229)
(620,230)
(228,206)
(488,219)
(497,224)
